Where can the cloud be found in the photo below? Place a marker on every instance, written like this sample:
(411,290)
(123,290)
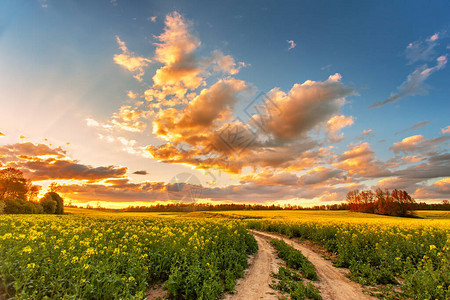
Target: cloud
(445,130)
(292,44)
(130,61)
(175,49)
(152,19)
(414,84)
(305,106)
(2,134)
(225,63)
(422,50)
(323,175)
(417,143)
(43,3)
(335,124)
(141,172)
(433,166)
(40,162)
(30,149)
(128,119)
(438,190)
(367,133)
(196,121)
(116,191)
(359,161)
(131,95)
(414,127)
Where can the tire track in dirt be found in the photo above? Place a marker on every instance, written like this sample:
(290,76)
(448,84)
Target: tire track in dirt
(332,281)
(255,283)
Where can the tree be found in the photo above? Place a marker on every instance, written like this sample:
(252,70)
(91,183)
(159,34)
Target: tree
(54,187)
(12,184)
(396,203)
(48,204)
(52,203)
(33,191)
(404,202)
(354,200)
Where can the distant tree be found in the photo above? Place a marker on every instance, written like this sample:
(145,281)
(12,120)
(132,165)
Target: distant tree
(396,203)
(54,187)
(368,199)
(33,191)
(48,204)
(403,201)
(354,200)
(52,203)
(12,184)
(18,206)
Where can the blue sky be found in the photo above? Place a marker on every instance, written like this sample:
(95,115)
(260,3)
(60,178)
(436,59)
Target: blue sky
(57,69)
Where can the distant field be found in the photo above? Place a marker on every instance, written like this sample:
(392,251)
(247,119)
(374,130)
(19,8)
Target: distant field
(318,215)
(424,217)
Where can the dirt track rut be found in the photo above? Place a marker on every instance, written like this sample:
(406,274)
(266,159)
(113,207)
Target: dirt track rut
(332,281)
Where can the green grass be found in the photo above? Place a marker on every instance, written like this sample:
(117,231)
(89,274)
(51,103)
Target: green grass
(294,259)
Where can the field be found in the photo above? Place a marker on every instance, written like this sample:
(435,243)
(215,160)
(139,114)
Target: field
(93,255)
(119,257)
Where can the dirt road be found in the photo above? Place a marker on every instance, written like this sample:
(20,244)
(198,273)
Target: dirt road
(255,283)
(332,281)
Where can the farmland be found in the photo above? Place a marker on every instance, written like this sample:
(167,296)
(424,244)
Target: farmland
(92,254)
(106,257)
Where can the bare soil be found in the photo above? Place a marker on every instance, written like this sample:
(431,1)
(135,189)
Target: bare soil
(333,283)
(257,278)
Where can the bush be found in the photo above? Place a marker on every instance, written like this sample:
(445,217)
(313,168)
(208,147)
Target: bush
(52,203)
(17,206)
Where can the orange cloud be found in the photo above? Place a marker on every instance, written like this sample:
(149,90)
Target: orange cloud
(130,61)
(359,160)
(131,95)
(335,124)
(196,122)
(445,130)
(181,68)
(439,190)
(305,106)
(225,63)
(2,134)
(417,143)
(40,162)
(129,119)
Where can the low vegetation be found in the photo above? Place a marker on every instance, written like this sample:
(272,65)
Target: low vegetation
(291,283)
(294,259)
(82,257)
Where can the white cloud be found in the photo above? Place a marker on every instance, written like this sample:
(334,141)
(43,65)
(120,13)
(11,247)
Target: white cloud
(413,85)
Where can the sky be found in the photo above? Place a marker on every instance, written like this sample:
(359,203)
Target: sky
(274,102)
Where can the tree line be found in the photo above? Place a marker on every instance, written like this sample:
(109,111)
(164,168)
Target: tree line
(18,195)
(382,202)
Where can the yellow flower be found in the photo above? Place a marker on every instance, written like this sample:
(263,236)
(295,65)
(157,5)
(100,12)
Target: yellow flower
(27,249)
(31,266)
